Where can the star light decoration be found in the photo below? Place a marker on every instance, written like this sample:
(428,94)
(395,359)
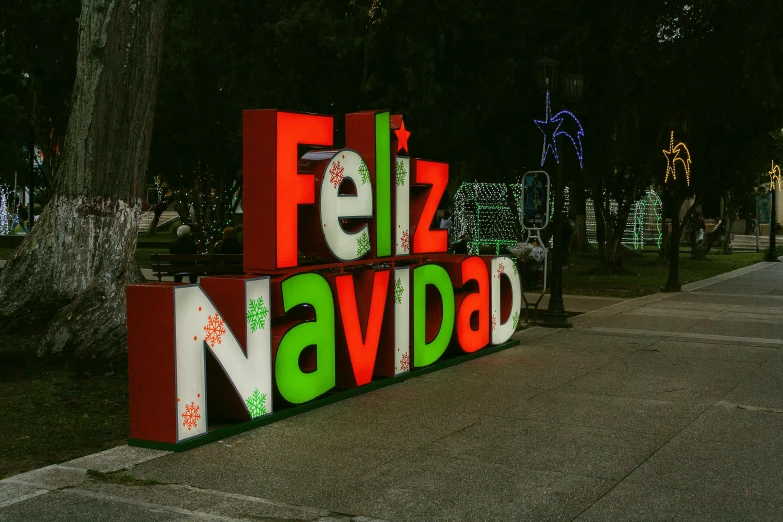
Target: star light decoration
(564,123)
(774,175)
(673,156)
(398,124)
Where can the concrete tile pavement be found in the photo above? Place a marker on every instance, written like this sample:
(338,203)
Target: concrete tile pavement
(663,407)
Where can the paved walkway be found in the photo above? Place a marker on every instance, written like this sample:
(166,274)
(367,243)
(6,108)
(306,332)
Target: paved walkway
(664,407)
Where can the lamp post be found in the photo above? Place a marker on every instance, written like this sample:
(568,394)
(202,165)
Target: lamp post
(774,186)
(548,80)
(673,283)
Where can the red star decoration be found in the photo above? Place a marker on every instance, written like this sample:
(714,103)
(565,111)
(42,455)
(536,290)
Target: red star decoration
(402,138)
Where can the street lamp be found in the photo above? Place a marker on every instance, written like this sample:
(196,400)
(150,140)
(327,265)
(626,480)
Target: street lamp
(774,187)
(552,127)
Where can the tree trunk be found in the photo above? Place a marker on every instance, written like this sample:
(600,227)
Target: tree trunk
(600,219)
(615,252)
(66,284)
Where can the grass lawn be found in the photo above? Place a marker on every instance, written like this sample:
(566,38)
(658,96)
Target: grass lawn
(144,255)
(55,412)
(645,275)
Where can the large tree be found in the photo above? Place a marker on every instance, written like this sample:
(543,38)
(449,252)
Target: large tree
(66,284)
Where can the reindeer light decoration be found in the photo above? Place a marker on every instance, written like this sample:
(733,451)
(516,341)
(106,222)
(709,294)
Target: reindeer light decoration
(677,153)
(774,175)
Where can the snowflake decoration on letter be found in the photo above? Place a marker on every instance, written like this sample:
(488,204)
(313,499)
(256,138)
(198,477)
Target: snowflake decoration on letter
(362,244)
(256,404)
(191,415)
(364,172)
(404,363)
(256,314)
(501,270)
(405,240)
(398,291)
(215,330)
(336,174)
(515,320)
(401,173)
(494,322)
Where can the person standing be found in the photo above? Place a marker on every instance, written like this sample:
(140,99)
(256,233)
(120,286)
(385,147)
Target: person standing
(702,227)
(446,221)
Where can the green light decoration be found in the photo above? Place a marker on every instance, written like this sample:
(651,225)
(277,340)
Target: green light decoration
(647,218)
(481,211)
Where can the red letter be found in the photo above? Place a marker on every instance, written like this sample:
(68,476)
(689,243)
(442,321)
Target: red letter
(273,188)
(362,351)
(475,304)
(426,241)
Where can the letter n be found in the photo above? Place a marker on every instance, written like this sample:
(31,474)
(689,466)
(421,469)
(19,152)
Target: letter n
(170,330)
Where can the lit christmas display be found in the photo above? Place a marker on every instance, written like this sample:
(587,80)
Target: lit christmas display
(5,225)
(647,218)
(628,233)
(482,213)
(564,123)
(673,156)
(774,175)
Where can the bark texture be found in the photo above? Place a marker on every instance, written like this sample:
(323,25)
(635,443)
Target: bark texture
(65,285)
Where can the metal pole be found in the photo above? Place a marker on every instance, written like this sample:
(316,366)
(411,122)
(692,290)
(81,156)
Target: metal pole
(673,284)
(758,217)
(556,316)
(772,253)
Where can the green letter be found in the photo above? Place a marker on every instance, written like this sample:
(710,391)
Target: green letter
(425,354)
(382,185)
(296,386)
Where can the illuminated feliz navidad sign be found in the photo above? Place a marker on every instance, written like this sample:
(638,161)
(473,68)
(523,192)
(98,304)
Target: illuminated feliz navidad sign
(345,282)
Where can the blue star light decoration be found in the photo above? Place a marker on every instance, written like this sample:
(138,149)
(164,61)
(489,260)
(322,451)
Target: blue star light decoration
(563,123)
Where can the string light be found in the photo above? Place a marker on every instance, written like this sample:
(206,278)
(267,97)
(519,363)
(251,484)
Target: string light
(647,217)
(774,175)
(554,126)
(4,224)
(673,156)
(592,232)
(481,213)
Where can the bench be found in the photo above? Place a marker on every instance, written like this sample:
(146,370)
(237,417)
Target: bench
(197,264)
